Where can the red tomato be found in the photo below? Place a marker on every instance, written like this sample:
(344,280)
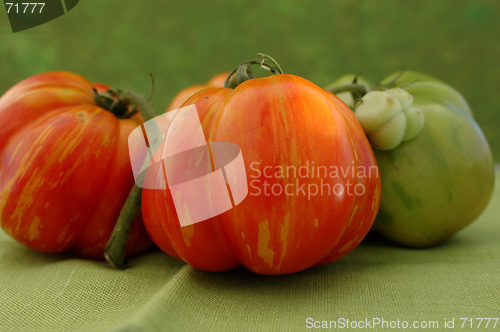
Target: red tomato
(278,122)
(64,167)
(215,82)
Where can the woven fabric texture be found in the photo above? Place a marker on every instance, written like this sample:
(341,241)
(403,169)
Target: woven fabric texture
(377,282)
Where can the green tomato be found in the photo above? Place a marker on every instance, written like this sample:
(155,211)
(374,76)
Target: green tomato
(441,180)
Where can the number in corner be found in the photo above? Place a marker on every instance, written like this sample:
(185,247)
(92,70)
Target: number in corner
(479,322)
(15,6)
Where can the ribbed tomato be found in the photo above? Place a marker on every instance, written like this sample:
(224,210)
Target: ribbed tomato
(64,166)
(285,126)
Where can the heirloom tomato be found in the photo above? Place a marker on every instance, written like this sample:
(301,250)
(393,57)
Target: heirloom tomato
(64,166)
(215,82)
(435,164)
(313,182)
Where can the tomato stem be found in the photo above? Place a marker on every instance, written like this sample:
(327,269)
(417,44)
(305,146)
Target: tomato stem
(153,86)
(355,88)
(116,248)
(137,103)
(124,103)
(244,71)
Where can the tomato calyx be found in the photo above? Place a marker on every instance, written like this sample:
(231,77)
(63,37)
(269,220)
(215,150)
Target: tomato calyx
(125,103)
(244,71)
(358,89)
(113,101)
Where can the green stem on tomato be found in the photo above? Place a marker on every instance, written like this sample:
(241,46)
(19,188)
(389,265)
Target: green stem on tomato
(137,103)
(355,88)
(244,71)
(116,248)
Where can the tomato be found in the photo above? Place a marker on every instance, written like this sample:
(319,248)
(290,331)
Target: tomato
(64,166)
(281,123)
(436,167)
(216,81)
(441,181)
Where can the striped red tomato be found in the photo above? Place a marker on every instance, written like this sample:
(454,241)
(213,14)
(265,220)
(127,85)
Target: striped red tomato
(278,121)
(64,166)
(215,82)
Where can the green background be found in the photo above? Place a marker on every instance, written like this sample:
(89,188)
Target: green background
(186,42)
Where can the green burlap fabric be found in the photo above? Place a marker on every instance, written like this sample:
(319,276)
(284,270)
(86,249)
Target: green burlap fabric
(377,282)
